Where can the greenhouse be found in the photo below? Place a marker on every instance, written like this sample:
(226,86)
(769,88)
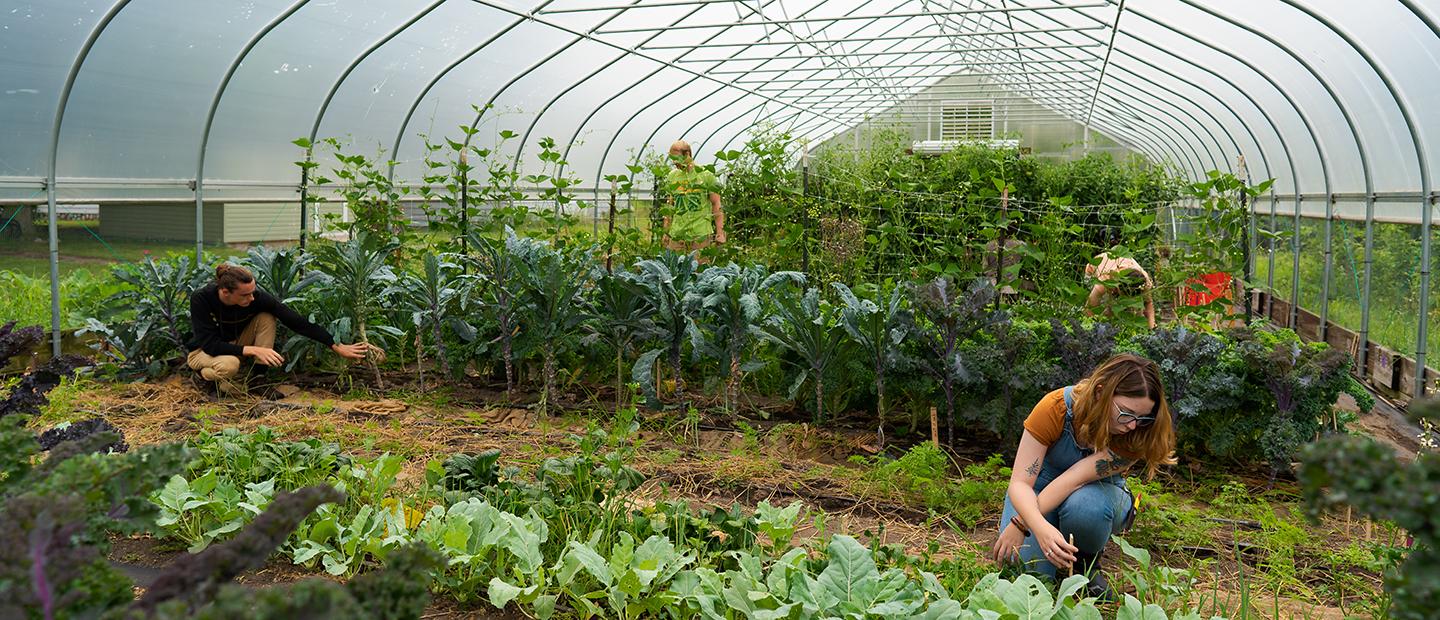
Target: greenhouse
(719,309)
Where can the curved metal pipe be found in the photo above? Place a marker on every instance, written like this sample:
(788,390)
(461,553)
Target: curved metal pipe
(210,121)
(53,158)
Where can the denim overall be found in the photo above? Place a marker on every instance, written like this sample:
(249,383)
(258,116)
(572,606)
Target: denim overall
(1091,514)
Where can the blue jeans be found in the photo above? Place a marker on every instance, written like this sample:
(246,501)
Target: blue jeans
(1091,514)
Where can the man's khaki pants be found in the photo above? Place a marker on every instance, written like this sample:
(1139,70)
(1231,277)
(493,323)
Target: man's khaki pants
(222,368)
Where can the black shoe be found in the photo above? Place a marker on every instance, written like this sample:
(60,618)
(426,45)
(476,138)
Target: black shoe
(1099,587)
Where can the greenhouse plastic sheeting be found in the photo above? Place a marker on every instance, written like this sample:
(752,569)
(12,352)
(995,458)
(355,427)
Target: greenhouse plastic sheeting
(1315,94)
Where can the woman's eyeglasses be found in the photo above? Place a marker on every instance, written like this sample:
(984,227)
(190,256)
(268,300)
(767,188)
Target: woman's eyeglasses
(1140,421)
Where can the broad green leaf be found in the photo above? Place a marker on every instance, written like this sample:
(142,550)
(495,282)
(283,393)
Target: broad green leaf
(851,571)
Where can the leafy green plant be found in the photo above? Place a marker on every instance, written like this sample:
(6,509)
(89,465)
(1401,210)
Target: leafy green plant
(202,510)
(878,330)
(194,580)
(434,299)
(665,281)
(57,512)
(729,301)
(633,580)
(152,309)
(809,328)
(946,319)
(342,545)
(1080,349)
(1301,380)
(1154,584)
(284,272)
(1363,473)
(499,292)
(357,278)
(372,201)
(553,286)
(623,316)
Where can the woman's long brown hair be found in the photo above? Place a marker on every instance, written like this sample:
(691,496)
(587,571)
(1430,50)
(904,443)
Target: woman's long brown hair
(1133,376)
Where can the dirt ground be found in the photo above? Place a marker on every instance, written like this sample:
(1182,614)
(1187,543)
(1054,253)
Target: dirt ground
(707,466)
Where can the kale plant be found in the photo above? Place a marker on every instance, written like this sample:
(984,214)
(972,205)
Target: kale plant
(155,299)
(355,286)
(1201,377)
(1010,361)
(731,312)
(1079,350)
(624,316)
(1363,473)
(56,515)
(1301,382)
(878,329)
(434,299)
(282,272)
(946,318)
(665,282)
(553,286)
(498,290)
(810,329)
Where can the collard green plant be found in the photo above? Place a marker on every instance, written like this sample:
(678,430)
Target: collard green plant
(731,311)
(202,510)
(665,281)
(878,329)
(946,318)
(810,329)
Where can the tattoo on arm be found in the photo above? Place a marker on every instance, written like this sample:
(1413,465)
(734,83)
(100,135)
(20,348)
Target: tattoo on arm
(1110,464)
(1034,468)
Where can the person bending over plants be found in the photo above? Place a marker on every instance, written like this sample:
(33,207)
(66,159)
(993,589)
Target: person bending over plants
(691,226)
(231,319)
(1119,277)
(1067,492)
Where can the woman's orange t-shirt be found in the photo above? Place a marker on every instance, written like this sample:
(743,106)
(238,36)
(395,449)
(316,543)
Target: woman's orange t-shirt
(1047,421)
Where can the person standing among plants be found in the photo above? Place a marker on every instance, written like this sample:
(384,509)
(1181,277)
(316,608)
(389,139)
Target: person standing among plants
(1067,492)
(691,226)
(1114,276)
(232,319)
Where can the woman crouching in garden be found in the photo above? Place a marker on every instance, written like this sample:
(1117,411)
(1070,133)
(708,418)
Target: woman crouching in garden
(1067,491)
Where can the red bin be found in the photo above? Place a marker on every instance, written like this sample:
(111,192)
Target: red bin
(1217,286)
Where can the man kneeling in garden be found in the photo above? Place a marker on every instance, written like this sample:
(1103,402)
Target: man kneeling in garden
(231,319)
